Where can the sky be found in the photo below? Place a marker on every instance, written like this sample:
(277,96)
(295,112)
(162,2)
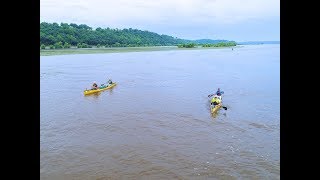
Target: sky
(237,20)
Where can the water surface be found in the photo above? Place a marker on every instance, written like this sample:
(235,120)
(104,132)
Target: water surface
(156,123)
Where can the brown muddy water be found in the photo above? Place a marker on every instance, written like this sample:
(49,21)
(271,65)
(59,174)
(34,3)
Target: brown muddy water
(156,123)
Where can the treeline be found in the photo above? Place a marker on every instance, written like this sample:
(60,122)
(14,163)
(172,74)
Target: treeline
(220,44)
(209,41)
(65,35)
(188,45)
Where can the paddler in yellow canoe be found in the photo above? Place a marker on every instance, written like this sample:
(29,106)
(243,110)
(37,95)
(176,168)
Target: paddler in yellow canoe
(215,101)
(94,86)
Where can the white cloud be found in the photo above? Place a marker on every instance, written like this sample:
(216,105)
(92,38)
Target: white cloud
(117,12)
(173,17)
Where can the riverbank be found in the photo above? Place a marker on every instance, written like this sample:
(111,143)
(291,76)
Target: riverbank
(53,52)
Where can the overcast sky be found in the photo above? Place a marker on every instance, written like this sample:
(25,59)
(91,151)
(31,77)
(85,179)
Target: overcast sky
(239,20)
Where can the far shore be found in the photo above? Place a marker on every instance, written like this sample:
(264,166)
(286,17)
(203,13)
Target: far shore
(53,52)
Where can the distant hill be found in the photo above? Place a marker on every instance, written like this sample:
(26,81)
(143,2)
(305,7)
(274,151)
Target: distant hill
(258,42)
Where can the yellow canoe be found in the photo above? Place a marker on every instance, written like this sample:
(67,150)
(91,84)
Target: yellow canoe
(216,108)
(87,92)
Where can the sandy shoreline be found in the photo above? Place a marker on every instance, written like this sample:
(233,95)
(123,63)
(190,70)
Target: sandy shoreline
(53,52)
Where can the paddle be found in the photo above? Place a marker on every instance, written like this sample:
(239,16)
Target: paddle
(214,94)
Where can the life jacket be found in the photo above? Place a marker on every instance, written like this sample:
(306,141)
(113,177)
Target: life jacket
(217,100)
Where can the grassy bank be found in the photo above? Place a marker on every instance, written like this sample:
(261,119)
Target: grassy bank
(53,52)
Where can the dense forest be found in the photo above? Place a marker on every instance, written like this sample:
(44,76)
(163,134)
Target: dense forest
(65,35)
(83,35)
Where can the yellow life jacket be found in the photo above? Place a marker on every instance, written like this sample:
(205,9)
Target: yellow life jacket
(217,100)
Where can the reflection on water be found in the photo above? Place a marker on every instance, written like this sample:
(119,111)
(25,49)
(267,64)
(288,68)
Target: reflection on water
(156,123)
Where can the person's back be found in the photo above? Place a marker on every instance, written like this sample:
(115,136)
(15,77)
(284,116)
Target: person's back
(215,101)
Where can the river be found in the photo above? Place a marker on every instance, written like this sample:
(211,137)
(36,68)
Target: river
(156,123)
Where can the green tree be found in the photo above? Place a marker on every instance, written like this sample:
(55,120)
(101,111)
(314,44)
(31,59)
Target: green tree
(58,45)
(66,45)
(43,46)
